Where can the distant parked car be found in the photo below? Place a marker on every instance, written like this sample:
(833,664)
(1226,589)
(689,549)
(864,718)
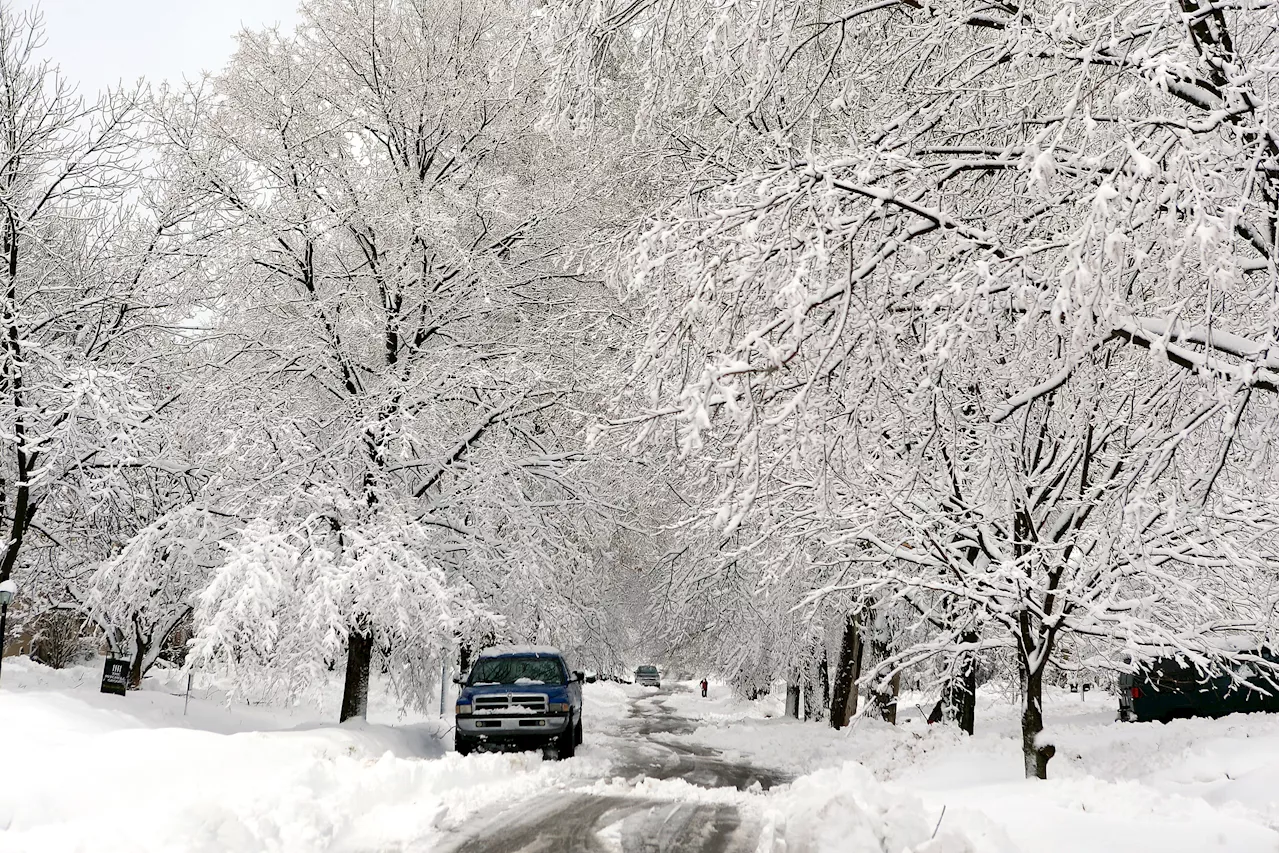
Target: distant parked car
(519,698)
(1167,689)
(648,676)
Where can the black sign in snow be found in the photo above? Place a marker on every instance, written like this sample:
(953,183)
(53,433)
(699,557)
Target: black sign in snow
(115,676)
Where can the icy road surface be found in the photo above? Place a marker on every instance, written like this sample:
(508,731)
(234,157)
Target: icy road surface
(626,811)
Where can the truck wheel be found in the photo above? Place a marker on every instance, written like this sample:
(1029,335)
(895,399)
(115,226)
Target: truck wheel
(567,743)
(463,745)
(577,733)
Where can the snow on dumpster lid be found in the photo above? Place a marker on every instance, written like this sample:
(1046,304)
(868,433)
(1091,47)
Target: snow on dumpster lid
(508,651)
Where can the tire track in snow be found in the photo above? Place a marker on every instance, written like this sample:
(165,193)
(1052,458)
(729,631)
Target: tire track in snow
(586,823)
(558,823)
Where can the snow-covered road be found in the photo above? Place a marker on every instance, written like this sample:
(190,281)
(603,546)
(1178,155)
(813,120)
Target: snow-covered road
(645,751)
(586,821)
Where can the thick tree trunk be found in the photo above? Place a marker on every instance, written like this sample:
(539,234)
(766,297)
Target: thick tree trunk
(793,698)
(844,696)
(148,647)
(135,668)
(883,703)
(4,618)
(824,681)
(817,690)
(23,506)
(959,696)
(355,692)
(140,647)
(1035,757)
(889,710)
(882,700)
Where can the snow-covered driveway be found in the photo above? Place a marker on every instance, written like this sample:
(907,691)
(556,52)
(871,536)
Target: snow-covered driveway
(627,808)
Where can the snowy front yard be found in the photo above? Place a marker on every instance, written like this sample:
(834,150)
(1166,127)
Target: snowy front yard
(1192,786)
(89,772)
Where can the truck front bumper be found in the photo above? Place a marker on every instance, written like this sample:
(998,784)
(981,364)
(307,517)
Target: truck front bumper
(514,731)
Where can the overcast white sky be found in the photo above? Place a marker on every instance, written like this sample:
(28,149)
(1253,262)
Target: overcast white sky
(98,43)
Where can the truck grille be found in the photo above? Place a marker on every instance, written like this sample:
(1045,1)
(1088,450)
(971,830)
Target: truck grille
(511,703)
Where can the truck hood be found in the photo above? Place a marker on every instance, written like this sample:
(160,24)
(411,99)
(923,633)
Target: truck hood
(553,692)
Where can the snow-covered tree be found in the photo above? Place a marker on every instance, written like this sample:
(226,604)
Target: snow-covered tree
(383,250)
(297,582)
(79,392)
(973,283)
(149,587)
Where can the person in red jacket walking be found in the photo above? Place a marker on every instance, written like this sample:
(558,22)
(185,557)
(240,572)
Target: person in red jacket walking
(704,688)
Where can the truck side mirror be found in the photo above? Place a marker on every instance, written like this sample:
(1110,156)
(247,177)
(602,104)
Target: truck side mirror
(578,677)
(459,680)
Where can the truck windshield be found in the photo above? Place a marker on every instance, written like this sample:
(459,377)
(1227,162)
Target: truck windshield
(517,671)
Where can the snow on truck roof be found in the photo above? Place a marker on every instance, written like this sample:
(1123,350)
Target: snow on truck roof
(512,651)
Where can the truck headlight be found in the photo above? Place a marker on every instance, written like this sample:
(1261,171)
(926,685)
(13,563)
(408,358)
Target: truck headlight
(462,710)
(559,707)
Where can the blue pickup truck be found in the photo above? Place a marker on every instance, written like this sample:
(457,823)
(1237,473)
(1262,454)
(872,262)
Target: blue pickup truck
(519,698)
